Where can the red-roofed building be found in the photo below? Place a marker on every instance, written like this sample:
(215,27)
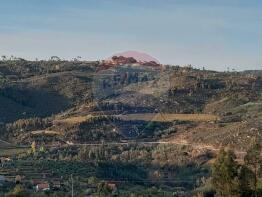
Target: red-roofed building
(42,187)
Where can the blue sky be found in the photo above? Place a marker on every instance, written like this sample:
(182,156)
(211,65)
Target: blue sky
(211,33)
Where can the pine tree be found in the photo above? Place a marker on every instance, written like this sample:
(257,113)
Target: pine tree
(253,161)
(246,179)
(225,175)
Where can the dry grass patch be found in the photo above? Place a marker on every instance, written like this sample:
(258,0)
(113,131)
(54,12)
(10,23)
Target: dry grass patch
(73,120)
(158,117)
(45,132)
(6,152)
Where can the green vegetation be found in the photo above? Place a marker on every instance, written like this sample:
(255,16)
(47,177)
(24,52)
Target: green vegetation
(231,179)
(128,130)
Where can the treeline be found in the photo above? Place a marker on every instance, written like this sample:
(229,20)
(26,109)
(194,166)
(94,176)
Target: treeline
(97,129)
(23,126)
(115,108)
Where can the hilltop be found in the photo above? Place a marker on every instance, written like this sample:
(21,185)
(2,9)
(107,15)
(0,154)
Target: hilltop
(139,56)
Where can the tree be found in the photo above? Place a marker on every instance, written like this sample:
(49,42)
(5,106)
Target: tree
(225,175)
(42,149)
(33,147)
(18,191)
(55,58)
(253,161)
(103,189)
(3,57)
(246,179)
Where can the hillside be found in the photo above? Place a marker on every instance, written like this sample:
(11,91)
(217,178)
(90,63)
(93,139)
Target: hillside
(71,97)
(146,127)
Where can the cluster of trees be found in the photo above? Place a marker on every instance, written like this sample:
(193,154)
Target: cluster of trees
(97,128)
(116,107)
(20,191)
(29,124)
(154,128)
(134,155)
(98,153)
(231,179)
(52,58)
(23,126)
(11,58)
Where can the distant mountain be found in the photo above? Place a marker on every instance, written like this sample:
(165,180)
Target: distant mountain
(143,57)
